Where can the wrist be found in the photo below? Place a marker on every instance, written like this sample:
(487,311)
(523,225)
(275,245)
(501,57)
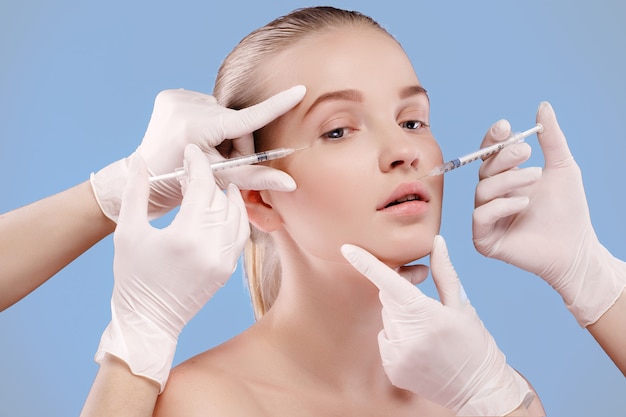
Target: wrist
(108,186)
(503,395)
(147,350)
(598,284)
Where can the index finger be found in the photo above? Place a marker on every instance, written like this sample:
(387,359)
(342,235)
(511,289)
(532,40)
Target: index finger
(389,283)
(242,122)
(508,157)
(498,132)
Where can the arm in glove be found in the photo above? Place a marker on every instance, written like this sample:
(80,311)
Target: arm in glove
(164,276)
(56,230)
(182,117)
(440,350)
(539,221)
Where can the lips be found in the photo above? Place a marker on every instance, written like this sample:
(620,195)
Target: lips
(411,197)
(406,192)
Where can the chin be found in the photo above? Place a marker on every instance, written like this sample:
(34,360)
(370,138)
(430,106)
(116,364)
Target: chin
(406,248)
(398,256)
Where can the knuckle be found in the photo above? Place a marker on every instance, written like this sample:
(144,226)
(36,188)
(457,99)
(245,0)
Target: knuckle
(164,96)
(123,237)
(480,193)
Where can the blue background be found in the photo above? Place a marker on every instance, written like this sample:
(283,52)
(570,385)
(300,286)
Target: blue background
(77,84)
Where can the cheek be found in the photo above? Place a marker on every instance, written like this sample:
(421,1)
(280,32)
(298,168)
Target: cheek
(326,182)
(433,154)
(322,213)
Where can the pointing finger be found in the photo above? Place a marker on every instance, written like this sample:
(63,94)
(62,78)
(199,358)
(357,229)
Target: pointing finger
(391,285)
(244,121)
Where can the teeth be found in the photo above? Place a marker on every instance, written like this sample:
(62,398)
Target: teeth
(409,197)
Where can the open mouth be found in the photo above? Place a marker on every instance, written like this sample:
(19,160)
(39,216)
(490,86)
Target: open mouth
(410,197)
(407,192)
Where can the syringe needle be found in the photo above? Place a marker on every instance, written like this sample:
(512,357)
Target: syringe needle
(482,153)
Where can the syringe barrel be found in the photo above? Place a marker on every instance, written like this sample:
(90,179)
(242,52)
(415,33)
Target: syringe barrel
(484,152)
(234,162)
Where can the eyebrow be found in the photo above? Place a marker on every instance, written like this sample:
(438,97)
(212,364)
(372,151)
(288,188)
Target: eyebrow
(356,96)
(346,95)
(413,90)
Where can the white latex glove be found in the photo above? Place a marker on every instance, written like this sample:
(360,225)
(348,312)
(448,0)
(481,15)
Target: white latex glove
(539,221)
(182,117)
(163,277)
(440,349)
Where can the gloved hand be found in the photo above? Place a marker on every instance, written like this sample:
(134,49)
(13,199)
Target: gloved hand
(440,350)
(539,221)
(163,277)
(181,117)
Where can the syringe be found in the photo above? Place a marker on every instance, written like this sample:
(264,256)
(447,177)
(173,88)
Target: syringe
(482,153)
(233,162)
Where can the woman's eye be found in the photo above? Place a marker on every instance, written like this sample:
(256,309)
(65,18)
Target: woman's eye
(336,134)
(413,125)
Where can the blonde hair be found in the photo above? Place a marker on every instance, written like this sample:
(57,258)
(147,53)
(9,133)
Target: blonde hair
(238,85)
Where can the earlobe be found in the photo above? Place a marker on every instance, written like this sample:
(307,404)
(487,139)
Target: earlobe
(260,211)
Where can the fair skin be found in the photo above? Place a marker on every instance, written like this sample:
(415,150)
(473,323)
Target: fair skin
(118,392)
(315,352)
(71,222)
(604,331)
(54,231)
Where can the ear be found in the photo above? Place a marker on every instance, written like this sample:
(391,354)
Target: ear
(260,211)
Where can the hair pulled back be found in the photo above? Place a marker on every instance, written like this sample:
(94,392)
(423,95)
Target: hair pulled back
(239,85)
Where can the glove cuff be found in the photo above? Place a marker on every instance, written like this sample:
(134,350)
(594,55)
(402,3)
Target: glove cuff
(108,186)
(144,347)
(504,395)
(600,283)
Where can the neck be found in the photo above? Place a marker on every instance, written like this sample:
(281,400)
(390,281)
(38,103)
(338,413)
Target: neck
(326,319)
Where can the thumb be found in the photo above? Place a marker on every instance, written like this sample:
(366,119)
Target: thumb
(415,274)
(446,280)
(391,285)
(552,140)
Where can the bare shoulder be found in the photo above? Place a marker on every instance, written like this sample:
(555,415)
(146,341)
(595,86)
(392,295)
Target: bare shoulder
(203,386)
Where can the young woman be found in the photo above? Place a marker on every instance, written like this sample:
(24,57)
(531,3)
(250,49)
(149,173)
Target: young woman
(363,127)
(314,348)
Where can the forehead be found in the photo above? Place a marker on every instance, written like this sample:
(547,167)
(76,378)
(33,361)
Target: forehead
(364,58)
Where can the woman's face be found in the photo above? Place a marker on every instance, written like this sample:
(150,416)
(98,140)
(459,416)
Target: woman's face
(365,120)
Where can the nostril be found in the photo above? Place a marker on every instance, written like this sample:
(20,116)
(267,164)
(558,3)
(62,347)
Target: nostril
(413,164)
(399,154)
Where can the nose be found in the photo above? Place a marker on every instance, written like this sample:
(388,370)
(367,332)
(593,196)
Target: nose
(399,152)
